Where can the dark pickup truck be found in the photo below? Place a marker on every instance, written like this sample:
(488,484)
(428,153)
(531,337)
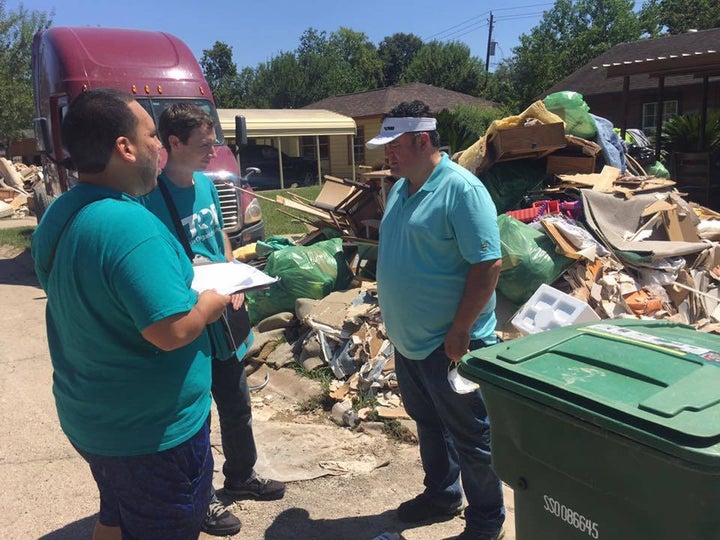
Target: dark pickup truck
(296,170)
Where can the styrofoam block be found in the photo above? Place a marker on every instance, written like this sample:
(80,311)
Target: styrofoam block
(550,308)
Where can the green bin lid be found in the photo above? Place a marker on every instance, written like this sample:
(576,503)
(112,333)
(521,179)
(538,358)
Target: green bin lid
(654,381)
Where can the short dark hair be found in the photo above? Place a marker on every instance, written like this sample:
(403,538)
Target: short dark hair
(94,121)
(180,119)
(415,109)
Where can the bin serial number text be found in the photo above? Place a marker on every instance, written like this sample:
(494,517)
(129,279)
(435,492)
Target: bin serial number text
(571,517)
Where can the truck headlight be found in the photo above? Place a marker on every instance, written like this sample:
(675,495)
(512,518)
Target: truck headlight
(253,212)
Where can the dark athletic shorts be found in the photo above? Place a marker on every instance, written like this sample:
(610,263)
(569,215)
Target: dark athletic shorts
(161,496)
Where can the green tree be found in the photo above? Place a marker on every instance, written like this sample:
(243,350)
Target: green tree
(358,66)
(279,83)
(17,28)
(465,124)
(323,65)
(222,76)
(446,65)
(568,37)
(396,52)
(679,16)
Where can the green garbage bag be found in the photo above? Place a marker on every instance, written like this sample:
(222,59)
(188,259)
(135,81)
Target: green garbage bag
(305,272)
(571,107)
(657,169)
(274,243)
(528,260)
(509,182)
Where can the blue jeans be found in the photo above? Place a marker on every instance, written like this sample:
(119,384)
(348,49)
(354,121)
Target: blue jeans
(232,397)
(454,438)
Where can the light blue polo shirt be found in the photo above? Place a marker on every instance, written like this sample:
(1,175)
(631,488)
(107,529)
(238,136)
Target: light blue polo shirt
(428,242)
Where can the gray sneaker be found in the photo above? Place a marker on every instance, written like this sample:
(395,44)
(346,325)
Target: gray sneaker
(262,489)
(219,521)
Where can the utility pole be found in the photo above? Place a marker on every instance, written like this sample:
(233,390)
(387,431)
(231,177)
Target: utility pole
(489,45)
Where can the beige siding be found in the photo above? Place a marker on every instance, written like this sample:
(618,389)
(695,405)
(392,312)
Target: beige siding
(339,165)
(340,160)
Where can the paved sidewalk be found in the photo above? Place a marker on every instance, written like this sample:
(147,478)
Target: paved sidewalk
(10,223)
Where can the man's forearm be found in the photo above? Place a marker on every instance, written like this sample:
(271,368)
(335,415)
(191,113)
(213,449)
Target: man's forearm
(179,330)
(228,248)
(480,284)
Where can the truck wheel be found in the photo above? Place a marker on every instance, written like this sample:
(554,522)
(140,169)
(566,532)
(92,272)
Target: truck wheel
(42,200)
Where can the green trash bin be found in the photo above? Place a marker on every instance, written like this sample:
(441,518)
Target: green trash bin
(607,430)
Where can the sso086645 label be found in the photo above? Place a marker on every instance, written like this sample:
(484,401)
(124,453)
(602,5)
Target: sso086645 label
(571,517)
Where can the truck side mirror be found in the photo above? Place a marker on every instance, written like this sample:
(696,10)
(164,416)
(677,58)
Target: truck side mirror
(240,131)
(42,135)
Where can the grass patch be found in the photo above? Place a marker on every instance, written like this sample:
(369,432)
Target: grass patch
(17,237)
(277,223)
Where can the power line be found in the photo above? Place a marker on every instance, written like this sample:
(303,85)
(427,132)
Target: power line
(461,33)
(516,17)
(470,22)
(446,30)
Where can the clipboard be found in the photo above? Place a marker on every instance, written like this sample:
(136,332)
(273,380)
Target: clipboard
(230,277)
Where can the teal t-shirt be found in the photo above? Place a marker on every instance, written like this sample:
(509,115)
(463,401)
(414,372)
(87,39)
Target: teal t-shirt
(198,207)
(428,241)
(117,270)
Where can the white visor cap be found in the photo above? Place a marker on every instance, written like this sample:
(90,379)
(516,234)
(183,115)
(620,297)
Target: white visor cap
(392,128)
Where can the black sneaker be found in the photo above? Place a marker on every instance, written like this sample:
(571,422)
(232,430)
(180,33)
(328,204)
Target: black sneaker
(422,508)
(262,489)
(219,521)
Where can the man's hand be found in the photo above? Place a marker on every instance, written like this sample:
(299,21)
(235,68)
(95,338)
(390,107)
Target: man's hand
(211,304)
(237,300)
(457,343)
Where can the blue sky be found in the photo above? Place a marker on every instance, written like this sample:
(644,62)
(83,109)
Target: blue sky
(259,30)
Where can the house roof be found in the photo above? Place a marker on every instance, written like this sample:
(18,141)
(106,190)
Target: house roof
(286,122)
(635,57)
(379,102)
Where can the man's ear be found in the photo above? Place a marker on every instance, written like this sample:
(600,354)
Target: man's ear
(174,141)
(125,148)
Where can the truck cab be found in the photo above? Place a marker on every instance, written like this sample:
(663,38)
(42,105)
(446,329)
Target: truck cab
(158,69)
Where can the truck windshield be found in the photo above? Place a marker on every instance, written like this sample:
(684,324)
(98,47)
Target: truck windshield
(156,106)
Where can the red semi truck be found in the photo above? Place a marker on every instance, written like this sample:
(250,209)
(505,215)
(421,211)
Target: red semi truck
(159,70)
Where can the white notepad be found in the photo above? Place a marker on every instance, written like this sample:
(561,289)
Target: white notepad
(230,277)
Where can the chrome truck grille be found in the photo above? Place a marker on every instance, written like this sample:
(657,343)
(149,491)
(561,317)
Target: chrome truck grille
(229,206)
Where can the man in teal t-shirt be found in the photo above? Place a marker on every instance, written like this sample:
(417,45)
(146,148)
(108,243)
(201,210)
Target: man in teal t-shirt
(188,134)
(127,339)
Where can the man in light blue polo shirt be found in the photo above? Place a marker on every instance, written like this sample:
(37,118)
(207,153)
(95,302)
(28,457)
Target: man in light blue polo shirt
(438,265)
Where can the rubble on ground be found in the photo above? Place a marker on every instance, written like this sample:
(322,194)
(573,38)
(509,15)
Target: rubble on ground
(16,181)
(624,242)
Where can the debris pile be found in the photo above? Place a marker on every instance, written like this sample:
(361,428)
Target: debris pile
(16,181)
(345,333)
(577,212)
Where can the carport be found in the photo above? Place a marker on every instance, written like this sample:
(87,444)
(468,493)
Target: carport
(279,123)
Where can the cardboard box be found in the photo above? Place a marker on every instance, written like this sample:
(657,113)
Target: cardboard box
(561,164)
(679,226)
(527,141)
